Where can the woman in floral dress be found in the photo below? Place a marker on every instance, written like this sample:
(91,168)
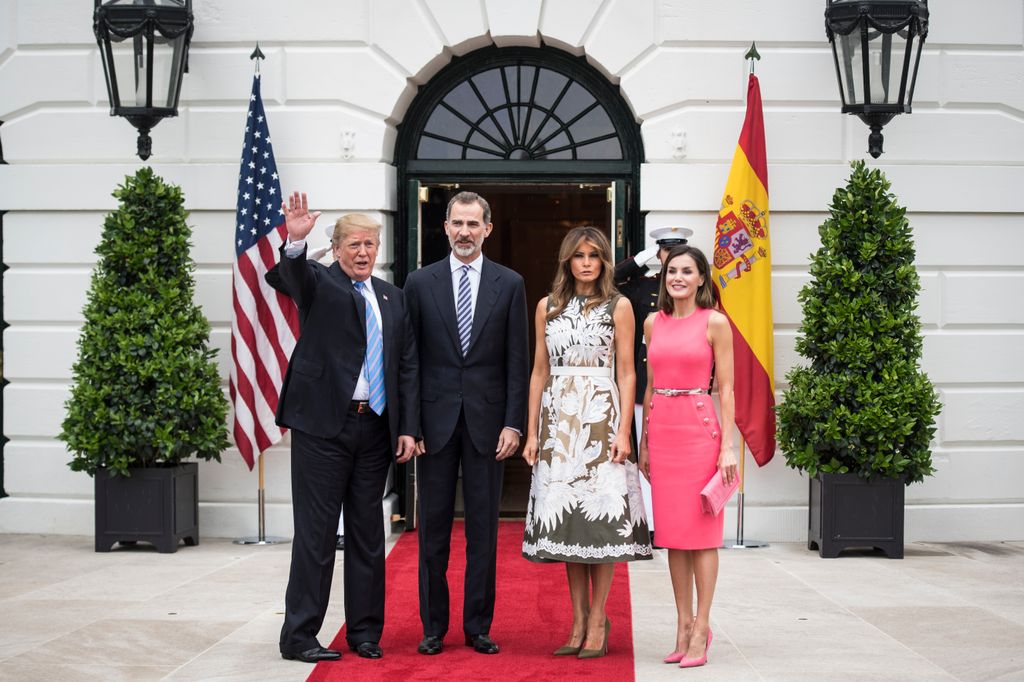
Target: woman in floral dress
(586,508)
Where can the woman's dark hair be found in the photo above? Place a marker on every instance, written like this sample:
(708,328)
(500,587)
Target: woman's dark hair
(563,288)
(706,296)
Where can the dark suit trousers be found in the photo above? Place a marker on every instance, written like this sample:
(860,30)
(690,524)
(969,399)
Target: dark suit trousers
(350,468)
(437,474)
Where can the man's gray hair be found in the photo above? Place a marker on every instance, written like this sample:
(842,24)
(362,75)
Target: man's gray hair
(469,198)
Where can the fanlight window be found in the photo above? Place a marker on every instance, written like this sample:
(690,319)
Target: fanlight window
(521,112)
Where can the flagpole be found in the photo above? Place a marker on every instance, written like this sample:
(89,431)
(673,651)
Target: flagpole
(740,542)
(261,538)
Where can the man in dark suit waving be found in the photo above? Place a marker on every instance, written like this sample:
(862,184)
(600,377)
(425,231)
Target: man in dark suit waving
(469,315)
(351,398)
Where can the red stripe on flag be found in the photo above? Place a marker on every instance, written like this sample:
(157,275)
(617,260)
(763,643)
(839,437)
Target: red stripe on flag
(253,279)
(287,305)
(244,381)
(755,403)
(245,392)
(268,255)
(752,135)
(263,380)
(242,390)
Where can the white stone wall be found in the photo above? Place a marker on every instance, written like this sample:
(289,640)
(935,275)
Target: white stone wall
(338,78)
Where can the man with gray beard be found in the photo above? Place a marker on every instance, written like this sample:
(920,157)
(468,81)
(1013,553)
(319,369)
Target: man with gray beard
(469,317)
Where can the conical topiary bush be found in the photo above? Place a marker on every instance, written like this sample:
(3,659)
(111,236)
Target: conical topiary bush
(145,388)
(862,405)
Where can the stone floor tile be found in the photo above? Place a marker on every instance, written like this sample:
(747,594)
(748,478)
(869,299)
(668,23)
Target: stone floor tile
(29,623)
(121,642)
(31,669)
(240,661)
(969,642)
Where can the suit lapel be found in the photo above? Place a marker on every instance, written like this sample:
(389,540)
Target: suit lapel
(359,303)
(444,298)
(486,298)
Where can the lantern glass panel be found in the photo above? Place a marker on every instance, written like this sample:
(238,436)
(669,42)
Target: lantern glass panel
(132,71)
(851,68)
(886,56)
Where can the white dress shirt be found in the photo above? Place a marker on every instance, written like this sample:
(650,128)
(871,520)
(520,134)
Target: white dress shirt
(474,279)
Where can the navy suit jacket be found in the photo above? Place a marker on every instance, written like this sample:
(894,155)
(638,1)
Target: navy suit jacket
(491,382)
(328,357)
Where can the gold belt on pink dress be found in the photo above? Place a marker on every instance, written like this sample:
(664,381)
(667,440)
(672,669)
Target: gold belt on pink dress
(673,392)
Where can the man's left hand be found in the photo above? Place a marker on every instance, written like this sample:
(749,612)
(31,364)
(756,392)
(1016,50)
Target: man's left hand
(508,443)
(406,449)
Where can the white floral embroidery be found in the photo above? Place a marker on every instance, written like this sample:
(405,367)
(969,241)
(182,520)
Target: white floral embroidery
(629,550)
(582,505)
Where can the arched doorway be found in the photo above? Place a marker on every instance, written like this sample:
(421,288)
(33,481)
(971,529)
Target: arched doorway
(548,141)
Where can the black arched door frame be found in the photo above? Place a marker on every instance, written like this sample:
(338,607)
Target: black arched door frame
(526,171)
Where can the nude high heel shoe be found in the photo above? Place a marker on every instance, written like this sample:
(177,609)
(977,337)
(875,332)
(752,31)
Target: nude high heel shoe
(598,653)
(697,662)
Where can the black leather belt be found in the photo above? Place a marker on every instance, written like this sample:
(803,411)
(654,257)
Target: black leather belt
(360,406)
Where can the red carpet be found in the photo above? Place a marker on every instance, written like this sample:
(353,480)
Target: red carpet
(532,617)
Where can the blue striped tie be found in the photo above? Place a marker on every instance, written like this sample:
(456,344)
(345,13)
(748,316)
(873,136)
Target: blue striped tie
(373,365)
(464,310)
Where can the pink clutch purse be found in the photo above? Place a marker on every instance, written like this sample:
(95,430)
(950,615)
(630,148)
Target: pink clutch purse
(716,493)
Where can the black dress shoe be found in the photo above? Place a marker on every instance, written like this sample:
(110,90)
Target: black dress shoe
(314,655)
(482,644)
(339,543)
(367,649)
(430,645)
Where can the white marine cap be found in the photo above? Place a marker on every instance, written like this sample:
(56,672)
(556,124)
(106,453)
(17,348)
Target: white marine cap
(670,236)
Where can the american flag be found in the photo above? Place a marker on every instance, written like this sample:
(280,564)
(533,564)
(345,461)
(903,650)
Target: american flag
(265,323)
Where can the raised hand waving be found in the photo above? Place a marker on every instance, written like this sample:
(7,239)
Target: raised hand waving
(297,217)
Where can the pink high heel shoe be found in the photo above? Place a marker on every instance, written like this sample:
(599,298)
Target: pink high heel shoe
(677,656)
(697,662)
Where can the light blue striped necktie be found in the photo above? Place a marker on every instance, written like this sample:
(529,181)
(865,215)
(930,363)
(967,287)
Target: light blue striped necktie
(464,310)
(373,365)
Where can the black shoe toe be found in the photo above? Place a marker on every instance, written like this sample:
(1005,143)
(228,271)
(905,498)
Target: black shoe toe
(482,644)
(430,645)
(367,649)
(314,655)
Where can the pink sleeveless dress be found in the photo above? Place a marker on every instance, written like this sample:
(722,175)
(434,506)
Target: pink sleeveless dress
(683,436)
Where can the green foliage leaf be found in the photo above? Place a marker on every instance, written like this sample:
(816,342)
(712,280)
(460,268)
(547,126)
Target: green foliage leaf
(862,405)
(145,388)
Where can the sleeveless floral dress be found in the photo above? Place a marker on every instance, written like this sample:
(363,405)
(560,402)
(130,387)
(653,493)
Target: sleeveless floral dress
(583,508)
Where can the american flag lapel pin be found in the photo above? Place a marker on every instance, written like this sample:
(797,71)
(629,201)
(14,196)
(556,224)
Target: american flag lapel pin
(385,296)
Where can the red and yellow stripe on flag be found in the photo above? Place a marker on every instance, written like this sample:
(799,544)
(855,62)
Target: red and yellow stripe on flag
(742,272)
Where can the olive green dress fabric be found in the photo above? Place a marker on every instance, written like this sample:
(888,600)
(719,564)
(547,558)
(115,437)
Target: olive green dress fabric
(583,507)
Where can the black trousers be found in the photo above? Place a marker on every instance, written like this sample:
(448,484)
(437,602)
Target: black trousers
(350,468)
(437,474)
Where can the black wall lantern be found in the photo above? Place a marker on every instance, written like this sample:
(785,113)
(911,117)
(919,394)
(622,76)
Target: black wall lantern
(144,47)
(876,46)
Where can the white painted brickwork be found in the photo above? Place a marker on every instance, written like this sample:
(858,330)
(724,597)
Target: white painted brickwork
(338,80)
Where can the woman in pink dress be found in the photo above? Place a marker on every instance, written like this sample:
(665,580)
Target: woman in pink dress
(683,443)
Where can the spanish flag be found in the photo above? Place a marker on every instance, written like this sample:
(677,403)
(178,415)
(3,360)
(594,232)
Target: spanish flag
(743,276)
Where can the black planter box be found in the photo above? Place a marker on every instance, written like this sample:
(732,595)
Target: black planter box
(849,511)
(158,504)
